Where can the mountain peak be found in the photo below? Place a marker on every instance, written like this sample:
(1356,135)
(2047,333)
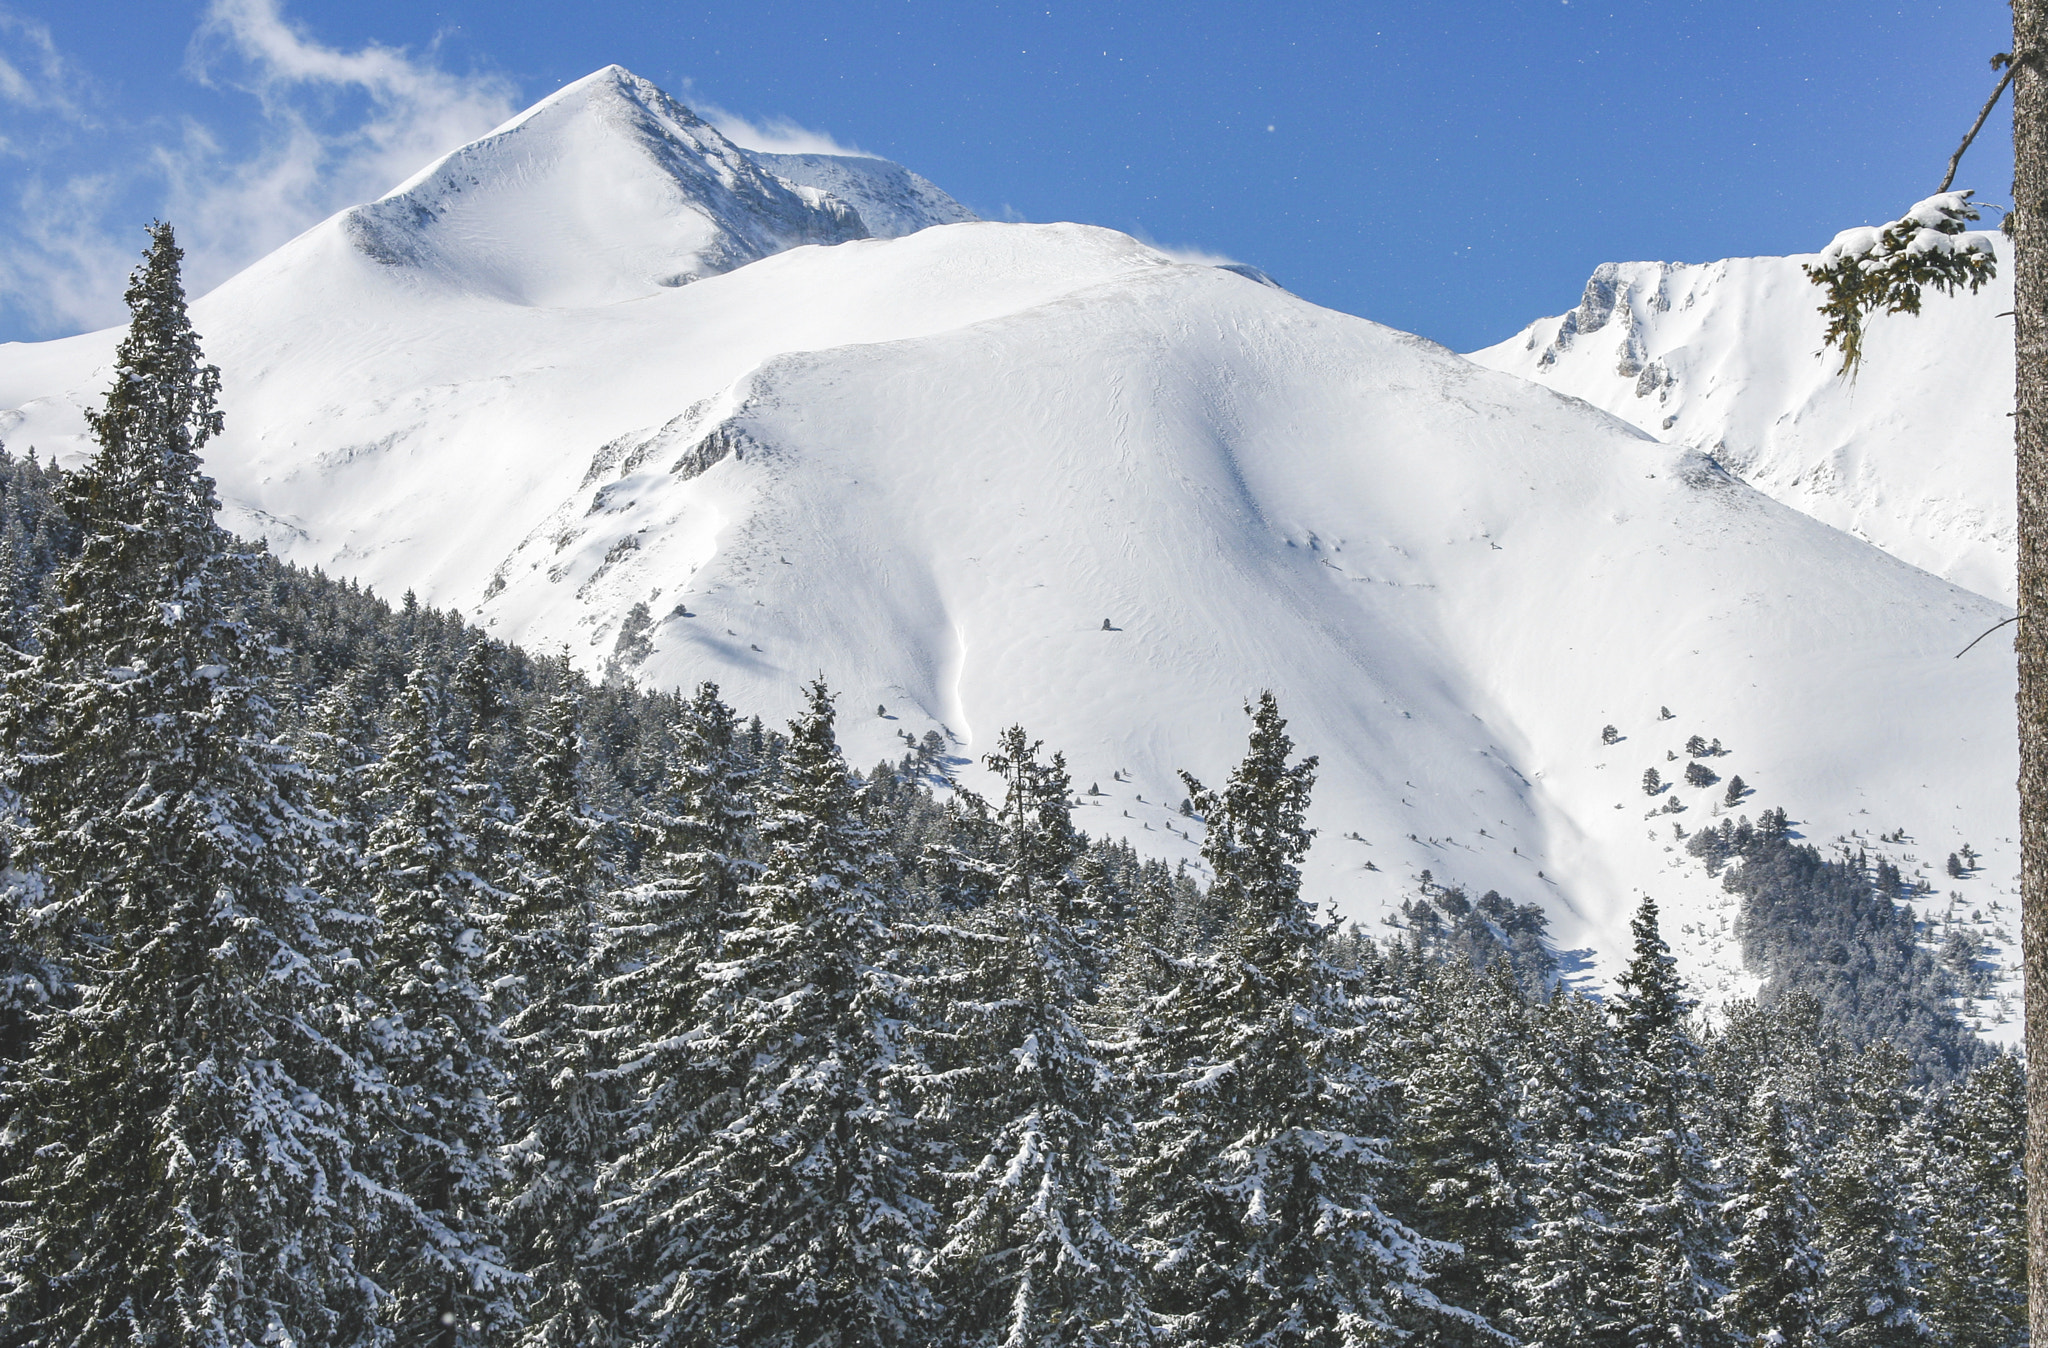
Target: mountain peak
(608,189)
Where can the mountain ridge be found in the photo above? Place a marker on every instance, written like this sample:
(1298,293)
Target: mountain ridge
(1913,454)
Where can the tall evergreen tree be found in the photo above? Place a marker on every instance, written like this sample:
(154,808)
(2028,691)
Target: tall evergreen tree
(1973,1193)
(1673,1209)
(1870,1233)
(664,930)
(560,1115)
(1461,1143)
(1775,1266)
(1029,1256)
(1571,1281)
(806,1213)
(1256,1183)
(446,1274)
(180,1153)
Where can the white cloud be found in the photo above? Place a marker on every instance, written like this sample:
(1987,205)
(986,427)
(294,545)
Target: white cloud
(416,110)
(772,135)
(33,74)
(333,128)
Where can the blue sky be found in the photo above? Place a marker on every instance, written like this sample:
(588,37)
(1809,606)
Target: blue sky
(1452,169)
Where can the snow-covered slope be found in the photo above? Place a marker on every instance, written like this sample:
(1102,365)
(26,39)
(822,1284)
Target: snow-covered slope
(987,473)
(1914,454)
(890,199)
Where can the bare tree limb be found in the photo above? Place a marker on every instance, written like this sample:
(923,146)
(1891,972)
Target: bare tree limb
(1985,633)
(1956,159)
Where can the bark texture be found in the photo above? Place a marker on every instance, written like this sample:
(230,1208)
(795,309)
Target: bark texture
(2030,426)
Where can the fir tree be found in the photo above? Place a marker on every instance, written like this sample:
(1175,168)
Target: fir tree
(560,1115)
(180,1151)
(446,1275)
(1571,1281)
(1257,1179)
(1028,1256)
(1870,1234)
(804,1211)
(1461,1142)
(1973,1192)
(663,931)
(1775,1267)
(1672,1208)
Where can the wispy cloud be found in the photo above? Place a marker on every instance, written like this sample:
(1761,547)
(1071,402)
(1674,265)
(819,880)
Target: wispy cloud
(413,110)
(33,74)
(296,131)
(771,135)
(332,128)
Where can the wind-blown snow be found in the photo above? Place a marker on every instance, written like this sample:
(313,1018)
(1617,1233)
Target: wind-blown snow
(930,467)
(1915,454)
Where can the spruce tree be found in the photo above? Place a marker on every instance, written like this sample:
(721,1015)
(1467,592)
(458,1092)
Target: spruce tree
(804,1210)
(1461,1143)
(1257,1179)
(1672,1210)
(1029,1256)
(1571,1281)
(560,1114)
(181,1150)
(1973,1194)
(446,1274)
(1871,1235)
(1775,1266)
(663,931)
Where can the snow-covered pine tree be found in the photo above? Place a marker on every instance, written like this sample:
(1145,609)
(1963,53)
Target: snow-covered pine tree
(1571,1279)
(1870,1233)
(180,1152)
(1775,1267)
(1256,1184)
(1028,1256)
(662,931)
(334,744)
(30,979)
(442,1141)
(477,701)
(560,1115)
(1461,1145)
(1672,1212)
(1974,1196)
(805,1205)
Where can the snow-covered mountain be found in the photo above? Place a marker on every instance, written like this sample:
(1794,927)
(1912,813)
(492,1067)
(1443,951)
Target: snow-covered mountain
(990,473)
(609,189)
(1915,454)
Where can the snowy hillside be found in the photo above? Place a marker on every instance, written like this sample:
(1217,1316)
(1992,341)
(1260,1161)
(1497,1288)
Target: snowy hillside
(987,473)
(1914,455)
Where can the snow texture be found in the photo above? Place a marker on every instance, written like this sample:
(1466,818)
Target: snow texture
(986,473)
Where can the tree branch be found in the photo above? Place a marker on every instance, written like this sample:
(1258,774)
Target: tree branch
(1957,158)
(1985,633)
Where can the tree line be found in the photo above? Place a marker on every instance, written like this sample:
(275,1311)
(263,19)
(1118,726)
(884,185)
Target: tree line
(365,981)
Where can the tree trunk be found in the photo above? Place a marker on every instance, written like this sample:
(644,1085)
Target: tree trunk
(2030,432)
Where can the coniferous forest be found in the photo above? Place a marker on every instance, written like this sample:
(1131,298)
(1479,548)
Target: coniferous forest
(367,981)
